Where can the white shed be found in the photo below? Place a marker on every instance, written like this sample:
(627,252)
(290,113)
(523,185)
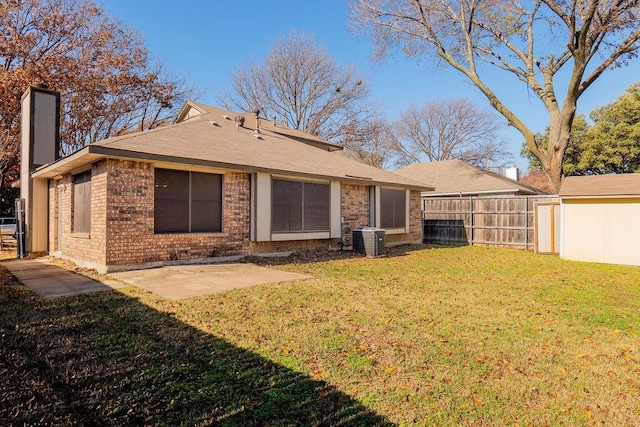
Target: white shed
(600,218)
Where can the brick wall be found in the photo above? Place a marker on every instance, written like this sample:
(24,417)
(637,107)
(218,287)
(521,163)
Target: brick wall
(355,209)
(86,246)
(415,217)
(131,239)
(129,222)
(122,220)
(122,210)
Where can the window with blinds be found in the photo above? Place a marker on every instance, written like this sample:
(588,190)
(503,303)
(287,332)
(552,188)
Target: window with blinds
(393,208)
(82,202)
(187,202)
(300,206)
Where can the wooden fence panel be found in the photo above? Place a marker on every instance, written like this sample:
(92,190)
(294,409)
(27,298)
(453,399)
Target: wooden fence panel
(489,221)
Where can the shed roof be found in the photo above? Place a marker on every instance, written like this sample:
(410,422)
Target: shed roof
(458,177)
(620,185)
(208,136)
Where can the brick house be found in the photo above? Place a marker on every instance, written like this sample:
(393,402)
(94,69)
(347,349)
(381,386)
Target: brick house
(213,185)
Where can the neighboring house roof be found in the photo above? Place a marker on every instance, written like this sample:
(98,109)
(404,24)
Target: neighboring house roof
(537,179)
(597,186)
(208,136)
(455,177)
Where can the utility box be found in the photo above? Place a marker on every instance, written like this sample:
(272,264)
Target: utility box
(369,241)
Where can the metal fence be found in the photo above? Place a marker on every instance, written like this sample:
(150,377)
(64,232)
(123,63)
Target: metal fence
(490,221)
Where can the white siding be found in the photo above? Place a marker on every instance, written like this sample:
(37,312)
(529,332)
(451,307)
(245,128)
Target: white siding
(407,219)
(601,230)
(262,214)
(39,227)
(336,210)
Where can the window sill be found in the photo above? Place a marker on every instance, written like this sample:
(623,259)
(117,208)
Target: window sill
(394,230)
(185,233)
(81,235)
(280,237)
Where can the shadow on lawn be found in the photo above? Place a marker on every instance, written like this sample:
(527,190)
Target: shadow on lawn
(107,359)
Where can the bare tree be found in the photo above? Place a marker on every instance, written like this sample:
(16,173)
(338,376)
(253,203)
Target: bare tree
(299,84)
(449,129)
(535,42)
(107,81)
(370,141)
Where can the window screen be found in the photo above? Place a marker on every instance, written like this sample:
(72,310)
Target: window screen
(393,208)
(187,202)
(316,206)
(82,202)
(171,213)
(300,206)
(287,205)
(206,202)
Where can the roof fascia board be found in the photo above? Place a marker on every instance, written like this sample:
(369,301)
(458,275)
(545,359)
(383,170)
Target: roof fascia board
(45,171)
(608,196)
(471,193)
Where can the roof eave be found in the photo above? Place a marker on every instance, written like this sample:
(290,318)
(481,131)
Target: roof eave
(317,142)
(68,164)
(91,153)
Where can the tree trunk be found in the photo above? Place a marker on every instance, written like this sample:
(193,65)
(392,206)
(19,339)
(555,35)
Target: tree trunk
(554,172)
(559,136)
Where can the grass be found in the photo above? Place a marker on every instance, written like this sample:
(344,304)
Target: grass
(428,336)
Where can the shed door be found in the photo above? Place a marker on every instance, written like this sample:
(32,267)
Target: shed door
(547,220)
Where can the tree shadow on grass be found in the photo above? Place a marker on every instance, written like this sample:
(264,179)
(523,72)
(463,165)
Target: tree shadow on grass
(107,359)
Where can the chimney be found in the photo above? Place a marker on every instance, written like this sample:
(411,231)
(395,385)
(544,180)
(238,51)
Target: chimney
(513,173)
(40,146)
(257,113)
(239,122)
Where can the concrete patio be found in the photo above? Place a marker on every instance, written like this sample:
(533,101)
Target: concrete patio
(186,281)
(175,282)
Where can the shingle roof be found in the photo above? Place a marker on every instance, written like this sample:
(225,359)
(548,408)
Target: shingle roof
(250,122)
(211,138)
(621,185)
(458,177)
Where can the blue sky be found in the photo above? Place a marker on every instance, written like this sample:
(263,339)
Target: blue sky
(206,40)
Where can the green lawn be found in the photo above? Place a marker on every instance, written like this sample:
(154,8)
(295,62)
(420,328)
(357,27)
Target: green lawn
(426,336)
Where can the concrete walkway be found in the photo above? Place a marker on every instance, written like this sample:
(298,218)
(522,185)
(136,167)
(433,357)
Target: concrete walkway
(174,282)
(50,281)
